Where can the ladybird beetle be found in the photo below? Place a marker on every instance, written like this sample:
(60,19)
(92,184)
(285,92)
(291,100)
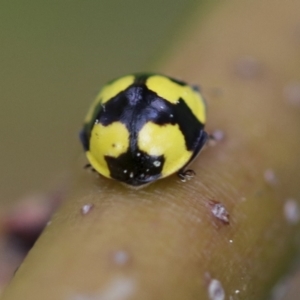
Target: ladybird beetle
(144,127)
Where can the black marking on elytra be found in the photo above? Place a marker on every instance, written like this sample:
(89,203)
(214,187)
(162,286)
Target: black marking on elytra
(84,139)
(202,139)
(135,168)
(138,105)
(135,106)
(189,125)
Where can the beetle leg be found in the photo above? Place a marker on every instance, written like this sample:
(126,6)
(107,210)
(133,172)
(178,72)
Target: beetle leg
(185,175)
(90,168)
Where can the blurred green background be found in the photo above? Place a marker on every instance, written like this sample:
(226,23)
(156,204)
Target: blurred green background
(55,55)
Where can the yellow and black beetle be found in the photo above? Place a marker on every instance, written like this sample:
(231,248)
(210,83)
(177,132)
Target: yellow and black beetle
(144,127)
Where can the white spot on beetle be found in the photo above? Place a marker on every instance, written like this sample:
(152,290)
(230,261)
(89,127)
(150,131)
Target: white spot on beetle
(291,211)
(215,290)
(138,154)
(131,174)
(85,209)
(171,115)
(157,163)
(125,171)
